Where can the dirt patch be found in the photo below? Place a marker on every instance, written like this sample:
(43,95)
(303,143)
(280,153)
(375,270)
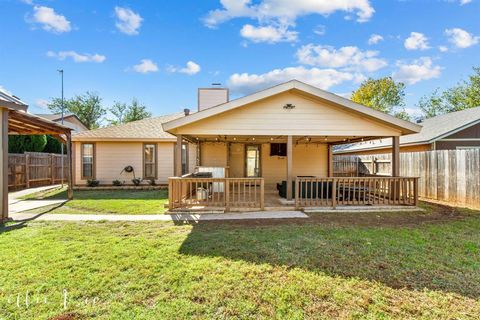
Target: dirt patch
(434,213)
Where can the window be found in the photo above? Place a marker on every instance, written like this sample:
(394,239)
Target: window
(88,153)
(150,161)
(278,149)
(184,158)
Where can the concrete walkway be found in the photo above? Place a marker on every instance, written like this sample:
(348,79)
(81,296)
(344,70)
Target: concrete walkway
(161,217)
(15,204)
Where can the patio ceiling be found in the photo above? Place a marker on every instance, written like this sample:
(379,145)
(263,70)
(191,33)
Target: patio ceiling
(20,122)
(278,139)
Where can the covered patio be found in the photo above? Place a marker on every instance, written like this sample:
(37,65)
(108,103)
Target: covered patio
(275,148)
(14,120)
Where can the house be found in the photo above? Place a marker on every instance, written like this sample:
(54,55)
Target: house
(14,119)
(456,130)
(102,154)
(269,149)
(70,120)
(281,140)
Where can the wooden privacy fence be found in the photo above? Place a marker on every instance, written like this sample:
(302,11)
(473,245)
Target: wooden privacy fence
(33,169)
(444,175)
(361,191)
(227,193)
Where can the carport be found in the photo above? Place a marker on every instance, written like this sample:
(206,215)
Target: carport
(14,119)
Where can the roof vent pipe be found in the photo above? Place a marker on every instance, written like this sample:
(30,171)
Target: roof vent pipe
(186,111)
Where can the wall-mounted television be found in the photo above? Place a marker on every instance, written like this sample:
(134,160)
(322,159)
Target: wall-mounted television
(278,149)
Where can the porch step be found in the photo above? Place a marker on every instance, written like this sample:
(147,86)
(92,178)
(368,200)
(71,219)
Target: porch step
(363,209)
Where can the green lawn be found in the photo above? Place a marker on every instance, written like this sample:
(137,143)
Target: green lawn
(349,266)
(106,201)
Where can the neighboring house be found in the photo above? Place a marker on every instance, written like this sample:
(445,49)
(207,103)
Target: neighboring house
(70,120)
(456,130)
(103,153)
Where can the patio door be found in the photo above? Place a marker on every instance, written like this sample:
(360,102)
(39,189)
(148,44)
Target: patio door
(252,162)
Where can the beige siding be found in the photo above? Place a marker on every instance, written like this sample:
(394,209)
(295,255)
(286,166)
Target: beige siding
(112,157)
(192,157)
(310,116)
(237,160)
(214,154)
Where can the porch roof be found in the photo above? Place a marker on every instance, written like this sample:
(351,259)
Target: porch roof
(404,127)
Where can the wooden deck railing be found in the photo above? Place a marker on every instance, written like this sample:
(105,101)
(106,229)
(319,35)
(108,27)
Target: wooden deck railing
(341,191)
(223,193)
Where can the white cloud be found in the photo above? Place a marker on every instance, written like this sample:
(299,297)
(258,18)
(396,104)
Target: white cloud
(191,68)
(77,57)
(345,57)
(461,38)
(145,66)
(416,41)
(128,21)
(443,48)
(269,34)
(320,30)
(286,11)
(463,2)
(50,20)
(418,70)
(374,39)
(42,104)
(244,83)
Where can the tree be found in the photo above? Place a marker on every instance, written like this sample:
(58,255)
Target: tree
(124,113)
(53,146)
(382,94)
(21,144)
(87,107)
(464,95)
(136,111)
(118,110)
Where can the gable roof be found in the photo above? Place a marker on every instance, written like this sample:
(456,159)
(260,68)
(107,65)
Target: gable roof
(149,129)
(432,129)
(57,117)
(405,127)
(12,102)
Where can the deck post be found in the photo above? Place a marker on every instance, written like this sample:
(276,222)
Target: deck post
(396,156)
(227,194)
(178,156)
(334,193)
(297,198)
(262,194)
(289,167)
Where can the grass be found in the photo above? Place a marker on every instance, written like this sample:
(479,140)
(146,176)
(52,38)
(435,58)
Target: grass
(328,268)
(105,201)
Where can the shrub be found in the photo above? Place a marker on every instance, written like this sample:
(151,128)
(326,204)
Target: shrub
(152,182)
(117,183)
(136,181)
(93,183)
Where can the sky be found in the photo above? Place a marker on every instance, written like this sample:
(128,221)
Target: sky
(161,51)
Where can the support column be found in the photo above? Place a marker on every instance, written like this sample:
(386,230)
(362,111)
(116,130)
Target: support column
(178,156)
(396,156)
(4,163)
(330,160)
(289,166)
(70,166)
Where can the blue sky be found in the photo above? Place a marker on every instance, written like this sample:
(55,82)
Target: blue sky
(161,51)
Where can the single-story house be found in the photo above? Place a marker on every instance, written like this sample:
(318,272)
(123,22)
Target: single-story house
(102,154)
(456,130)
(70,120)
(250,152)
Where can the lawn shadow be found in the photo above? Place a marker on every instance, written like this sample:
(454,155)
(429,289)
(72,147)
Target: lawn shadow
(408,257)
(22,223)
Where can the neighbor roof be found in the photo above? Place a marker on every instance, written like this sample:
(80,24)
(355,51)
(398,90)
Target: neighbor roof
(432,129)
(149,129)
(405,127)
(12,102)
(57,117)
